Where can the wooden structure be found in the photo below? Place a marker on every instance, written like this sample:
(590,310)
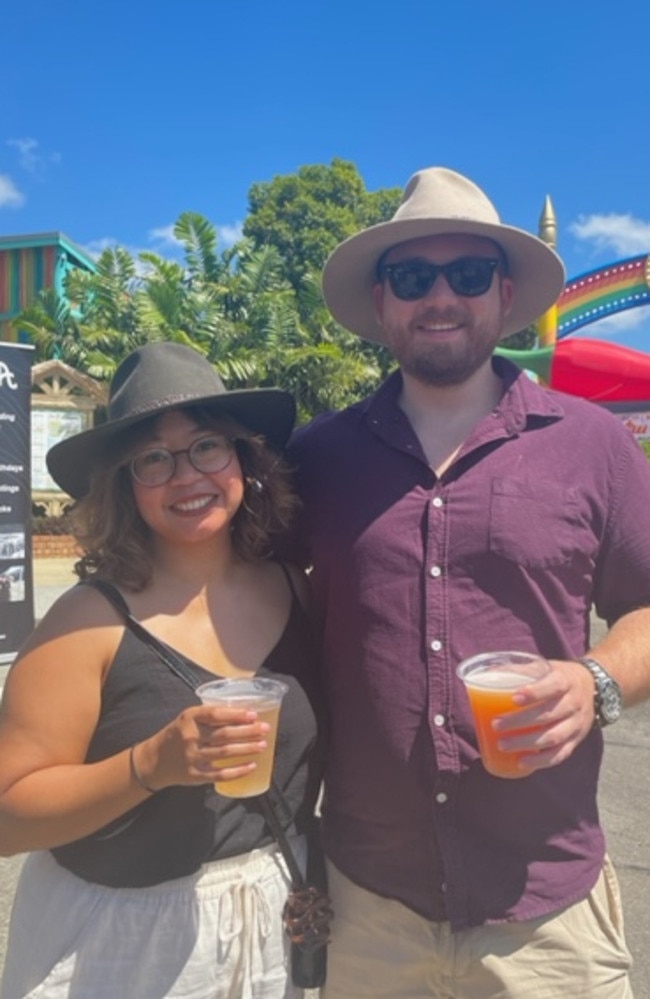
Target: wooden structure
(64,401)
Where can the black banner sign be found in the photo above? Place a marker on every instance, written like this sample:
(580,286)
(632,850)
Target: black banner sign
(16,579)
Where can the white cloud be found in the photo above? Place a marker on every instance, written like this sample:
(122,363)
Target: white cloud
(227,235)
(10,196)
(230,234)
(28,157)
(620,236)
(96,247)
(624,234)
(164,234)
(168,246)
(161,234)
(31,158)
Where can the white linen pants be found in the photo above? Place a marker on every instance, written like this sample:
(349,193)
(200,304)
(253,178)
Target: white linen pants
(214,935)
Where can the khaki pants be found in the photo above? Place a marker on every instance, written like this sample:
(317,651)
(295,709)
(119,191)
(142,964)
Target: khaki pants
(382,949)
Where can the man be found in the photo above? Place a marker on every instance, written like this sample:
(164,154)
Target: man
(461,509)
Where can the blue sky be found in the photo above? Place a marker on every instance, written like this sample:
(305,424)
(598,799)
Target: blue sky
(117,117)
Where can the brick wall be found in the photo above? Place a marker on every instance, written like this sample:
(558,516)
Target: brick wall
(54,546)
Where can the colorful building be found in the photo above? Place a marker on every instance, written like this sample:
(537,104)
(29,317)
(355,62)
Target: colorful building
(28,265)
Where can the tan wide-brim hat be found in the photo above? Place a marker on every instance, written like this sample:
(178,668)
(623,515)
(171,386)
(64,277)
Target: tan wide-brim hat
(152,380)
(437,202)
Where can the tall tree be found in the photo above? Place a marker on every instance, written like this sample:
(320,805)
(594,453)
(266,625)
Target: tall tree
(305,214)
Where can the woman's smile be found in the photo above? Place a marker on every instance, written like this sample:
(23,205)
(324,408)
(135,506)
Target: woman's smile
(193,505)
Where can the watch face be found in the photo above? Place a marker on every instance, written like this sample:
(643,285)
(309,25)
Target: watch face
(611,702)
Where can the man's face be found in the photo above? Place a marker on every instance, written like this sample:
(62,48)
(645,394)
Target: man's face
(443,337)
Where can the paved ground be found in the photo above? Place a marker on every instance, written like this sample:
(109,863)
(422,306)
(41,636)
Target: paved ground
(624,804)
(51,577)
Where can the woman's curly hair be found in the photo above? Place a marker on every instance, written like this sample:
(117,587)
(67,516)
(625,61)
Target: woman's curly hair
(116,541)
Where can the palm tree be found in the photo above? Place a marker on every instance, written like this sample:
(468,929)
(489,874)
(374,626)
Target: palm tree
(57,334)
(237,307)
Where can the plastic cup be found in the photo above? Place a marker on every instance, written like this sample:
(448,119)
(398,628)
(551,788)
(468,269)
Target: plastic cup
(491,678)
(257,694)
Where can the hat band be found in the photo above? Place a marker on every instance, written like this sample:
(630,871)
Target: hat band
(154,404)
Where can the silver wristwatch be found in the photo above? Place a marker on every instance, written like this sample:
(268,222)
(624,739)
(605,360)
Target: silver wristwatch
(608,698)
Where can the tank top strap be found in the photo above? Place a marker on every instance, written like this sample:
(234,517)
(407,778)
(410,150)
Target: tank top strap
(291,584)
(111,593)
(180,665)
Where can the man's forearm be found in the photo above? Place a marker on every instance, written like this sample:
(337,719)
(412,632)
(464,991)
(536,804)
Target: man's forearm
(625,653)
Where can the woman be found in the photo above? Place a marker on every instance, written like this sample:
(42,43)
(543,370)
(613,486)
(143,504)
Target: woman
(141,879)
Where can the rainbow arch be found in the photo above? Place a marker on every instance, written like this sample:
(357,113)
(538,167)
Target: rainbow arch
(594,369)
(602,292)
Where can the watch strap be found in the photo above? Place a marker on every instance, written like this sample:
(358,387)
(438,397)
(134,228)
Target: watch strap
(594,667)
(603,680)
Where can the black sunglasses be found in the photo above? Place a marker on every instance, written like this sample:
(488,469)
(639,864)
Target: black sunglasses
(413,279)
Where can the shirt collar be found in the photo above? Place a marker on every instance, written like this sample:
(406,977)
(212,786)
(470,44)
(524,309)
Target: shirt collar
(522,399)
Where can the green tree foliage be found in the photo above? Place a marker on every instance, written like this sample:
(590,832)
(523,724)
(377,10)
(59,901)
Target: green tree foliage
(199,239)
(306,214)
(255,310)
(58,334)
(523,340)
(106,299)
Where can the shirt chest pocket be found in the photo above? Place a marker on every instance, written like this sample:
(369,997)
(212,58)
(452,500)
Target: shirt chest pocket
(536,524)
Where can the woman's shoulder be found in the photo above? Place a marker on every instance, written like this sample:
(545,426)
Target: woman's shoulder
(77,609)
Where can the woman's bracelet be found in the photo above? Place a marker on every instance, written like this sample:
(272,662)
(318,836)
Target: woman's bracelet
(135,774)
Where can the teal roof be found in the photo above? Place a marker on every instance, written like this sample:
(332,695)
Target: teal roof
(27,242)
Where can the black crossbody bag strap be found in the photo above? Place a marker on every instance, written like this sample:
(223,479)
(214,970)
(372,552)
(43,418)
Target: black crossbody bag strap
(170,658)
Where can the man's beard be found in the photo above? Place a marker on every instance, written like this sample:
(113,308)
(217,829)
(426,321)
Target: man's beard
(444,364)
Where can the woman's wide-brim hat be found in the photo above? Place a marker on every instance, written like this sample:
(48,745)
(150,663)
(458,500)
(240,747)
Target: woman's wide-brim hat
(437,202)
(153,379)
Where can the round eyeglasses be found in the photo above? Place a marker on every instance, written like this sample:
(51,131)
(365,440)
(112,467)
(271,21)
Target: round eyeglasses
(156,465)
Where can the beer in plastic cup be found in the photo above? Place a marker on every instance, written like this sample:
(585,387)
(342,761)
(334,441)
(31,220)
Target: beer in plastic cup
(257,694)
(491,678)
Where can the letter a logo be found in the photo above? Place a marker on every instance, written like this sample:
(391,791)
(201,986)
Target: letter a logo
(7,376)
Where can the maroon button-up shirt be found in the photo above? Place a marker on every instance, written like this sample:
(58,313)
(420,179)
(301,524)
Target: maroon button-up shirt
(544,512)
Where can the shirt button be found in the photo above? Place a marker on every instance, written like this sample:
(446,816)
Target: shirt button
(435,571)
(439,720)
(436,501)
(436,645)
(441,798)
